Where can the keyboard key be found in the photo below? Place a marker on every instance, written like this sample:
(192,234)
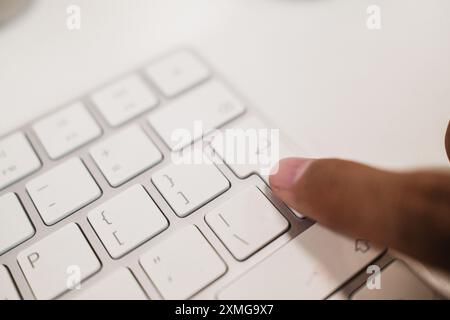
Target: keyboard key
(127,220)
(397,283)
(177,72)
(119,285)
(257,150)
(195,114)
(63,190)
(17,159)
(251,146)
(183,264)
(188,186)
(58,262)
(124,100)
(66,130)
(247,223)
(15,227)
(8,290)
(311,266)
(125,155)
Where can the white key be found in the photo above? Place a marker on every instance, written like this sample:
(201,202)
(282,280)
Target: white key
(127,220)
(246,223)
(198,112)
(119,285)
(17,159)
(397,283)
(125,155)
(183,264)
(258,148)
(177,72)
(124,100)
(66,130)
(188,186)
(250,146)
(63,190)
(8,289)
(15,227)
(52,265)
(311,266)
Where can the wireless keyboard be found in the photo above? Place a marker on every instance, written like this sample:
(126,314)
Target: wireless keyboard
(93,205)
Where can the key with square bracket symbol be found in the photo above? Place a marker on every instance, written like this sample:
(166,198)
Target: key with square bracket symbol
(127,220)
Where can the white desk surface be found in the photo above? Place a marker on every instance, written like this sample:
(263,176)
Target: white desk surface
(311,65)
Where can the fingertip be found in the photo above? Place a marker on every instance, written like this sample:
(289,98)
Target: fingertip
(287,172)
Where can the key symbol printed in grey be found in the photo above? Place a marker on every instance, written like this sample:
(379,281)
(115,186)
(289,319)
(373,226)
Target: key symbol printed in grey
(172,184)
(223,219)
(42,188)
(240,239)
(33,258)
(117,238)
(362,245)
(184,197)
(105,219)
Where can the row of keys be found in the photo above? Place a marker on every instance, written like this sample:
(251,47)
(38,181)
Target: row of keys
(118,159)
(131,218)
(62,261)
(131,96)
(315,269)
(69,186)
(186,187)
(72,127)
(162,264)
(179,273)
(121,234)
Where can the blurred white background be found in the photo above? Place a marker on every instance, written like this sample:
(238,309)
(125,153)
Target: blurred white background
(312,66)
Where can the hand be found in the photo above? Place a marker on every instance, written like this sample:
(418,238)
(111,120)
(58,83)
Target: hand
(408,211)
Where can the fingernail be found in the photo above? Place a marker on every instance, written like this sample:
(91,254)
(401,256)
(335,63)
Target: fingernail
(288,172)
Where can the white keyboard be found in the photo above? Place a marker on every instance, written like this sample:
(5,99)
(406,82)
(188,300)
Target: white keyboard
(94,206)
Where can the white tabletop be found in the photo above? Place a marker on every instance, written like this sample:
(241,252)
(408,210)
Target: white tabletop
(380,96)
